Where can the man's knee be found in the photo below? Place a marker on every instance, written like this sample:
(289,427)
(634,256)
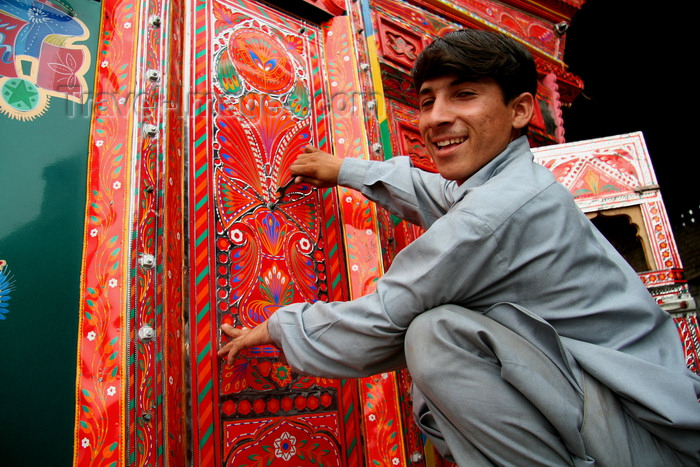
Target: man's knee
(421,337)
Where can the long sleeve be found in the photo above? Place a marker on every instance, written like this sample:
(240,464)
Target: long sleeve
(365,336)
(412,194)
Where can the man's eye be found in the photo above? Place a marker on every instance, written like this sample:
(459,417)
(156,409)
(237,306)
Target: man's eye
(426,103)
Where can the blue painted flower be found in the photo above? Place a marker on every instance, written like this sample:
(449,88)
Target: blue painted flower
(6,286)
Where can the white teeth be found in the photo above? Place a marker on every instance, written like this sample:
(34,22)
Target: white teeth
(442,144)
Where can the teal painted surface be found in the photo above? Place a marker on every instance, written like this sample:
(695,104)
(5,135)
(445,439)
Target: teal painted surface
(43,166)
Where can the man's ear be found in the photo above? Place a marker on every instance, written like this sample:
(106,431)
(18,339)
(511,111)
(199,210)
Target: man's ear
(523,109)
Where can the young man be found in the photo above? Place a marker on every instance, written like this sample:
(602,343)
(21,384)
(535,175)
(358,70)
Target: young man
(529,339)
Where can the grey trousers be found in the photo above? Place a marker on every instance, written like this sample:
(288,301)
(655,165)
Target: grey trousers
(486,396)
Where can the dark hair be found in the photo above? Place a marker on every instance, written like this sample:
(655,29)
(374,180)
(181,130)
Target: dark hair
(473,54)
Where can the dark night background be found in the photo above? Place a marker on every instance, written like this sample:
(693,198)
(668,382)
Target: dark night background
(636,61)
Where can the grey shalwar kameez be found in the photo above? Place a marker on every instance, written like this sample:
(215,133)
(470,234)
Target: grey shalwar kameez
(517,320)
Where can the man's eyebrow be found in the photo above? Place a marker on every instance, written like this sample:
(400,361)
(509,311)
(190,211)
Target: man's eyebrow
(461,81)
(455,82)
(425,90)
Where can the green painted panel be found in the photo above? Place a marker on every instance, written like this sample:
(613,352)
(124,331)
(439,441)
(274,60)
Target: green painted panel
(43,162)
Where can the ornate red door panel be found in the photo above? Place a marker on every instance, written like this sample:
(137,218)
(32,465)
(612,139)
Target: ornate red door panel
(259,90)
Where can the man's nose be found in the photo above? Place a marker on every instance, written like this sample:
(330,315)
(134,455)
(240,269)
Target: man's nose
(441,113)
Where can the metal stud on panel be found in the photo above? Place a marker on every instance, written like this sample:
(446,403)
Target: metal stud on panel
(153,75)
(147,261)
(147,333)
(149,130)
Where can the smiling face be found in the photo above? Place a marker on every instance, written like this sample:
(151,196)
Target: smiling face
(465,124)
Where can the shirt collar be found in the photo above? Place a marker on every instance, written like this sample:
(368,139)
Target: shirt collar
(515,149)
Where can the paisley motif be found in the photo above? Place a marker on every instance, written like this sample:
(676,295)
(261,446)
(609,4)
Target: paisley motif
(298,100)
(227,77)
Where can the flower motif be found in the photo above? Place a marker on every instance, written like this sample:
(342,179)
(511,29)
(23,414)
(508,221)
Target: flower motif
(65,66)
(93,233)
(127,25)
(6,286)
(116,185)
(99,143)
(111,391)
(112,283)
(91,335)
(355,267)
(281,374)
(85,443)
(395,461)
(372,417)
(104,64)
(236,236)
(285,446)
(305,244)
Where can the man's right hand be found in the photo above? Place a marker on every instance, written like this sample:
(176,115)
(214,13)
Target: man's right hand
(243,338)
(316,167)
